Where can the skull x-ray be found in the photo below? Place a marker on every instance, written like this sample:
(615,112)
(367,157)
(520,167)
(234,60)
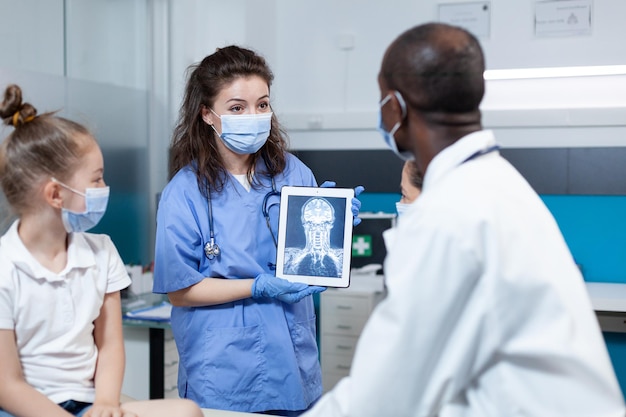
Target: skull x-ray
(314,237)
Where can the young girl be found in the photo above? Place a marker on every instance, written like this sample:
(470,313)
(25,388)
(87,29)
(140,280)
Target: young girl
(61,342)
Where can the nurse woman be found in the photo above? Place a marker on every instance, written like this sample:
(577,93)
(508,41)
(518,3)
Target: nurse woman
(246,339)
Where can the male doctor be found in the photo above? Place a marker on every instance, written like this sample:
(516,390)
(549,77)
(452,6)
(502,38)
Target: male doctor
(487,314)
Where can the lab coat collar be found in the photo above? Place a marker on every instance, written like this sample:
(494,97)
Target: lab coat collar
(454,155)
(79,255)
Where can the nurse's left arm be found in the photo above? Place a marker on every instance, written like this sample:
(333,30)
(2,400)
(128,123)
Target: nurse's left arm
(212,291)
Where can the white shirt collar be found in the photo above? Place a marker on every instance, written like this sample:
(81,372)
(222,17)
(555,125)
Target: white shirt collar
(79,255)
(454,155)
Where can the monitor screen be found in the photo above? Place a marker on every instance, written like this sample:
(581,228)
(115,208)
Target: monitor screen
(368,246)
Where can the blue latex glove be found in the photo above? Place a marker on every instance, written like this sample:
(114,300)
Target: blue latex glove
(356,203)
(269,286)
(328,184)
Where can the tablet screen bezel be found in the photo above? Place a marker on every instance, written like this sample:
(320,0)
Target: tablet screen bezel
(335,269)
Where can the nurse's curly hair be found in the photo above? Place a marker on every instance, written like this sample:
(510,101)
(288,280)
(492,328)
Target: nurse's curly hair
(195,142)
(39,147)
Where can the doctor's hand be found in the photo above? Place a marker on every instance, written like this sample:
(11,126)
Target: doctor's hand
(269,286)
(356,203)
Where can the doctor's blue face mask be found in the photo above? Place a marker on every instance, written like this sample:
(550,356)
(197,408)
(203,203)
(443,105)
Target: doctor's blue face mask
(244,133)
(96,201)
(389,136)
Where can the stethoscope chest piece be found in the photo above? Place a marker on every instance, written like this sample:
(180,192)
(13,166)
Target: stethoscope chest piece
(211,249)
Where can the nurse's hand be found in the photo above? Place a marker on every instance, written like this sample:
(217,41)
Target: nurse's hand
(269,286)
(356,203)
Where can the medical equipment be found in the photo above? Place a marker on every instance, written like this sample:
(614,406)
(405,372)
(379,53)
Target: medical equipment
(211,248)
(315,235)
(266,209)
(481,152)
(244,133)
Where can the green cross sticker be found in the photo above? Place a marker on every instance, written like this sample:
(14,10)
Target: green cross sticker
(361,245)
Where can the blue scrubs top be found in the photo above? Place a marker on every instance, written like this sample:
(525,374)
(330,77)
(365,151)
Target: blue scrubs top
(248,355)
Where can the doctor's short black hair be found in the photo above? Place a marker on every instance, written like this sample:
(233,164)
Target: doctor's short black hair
(437,68)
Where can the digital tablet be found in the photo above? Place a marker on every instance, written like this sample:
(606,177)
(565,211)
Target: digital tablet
(315,235)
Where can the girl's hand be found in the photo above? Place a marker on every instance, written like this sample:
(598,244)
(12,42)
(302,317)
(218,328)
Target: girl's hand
(104,410)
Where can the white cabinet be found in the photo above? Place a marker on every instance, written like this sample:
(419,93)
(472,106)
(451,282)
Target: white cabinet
(145,361)
(609,302)
(170,366)
(344,313)
(137,373)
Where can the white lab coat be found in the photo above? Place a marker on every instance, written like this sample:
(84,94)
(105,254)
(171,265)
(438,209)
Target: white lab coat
(487,314)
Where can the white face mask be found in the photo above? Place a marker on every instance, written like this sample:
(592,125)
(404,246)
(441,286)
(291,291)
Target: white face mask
(401,208)
(96,201)
(244,133)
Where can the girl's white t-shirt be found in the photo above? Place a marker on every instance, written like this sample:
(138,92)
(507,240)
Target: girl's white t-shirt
(53,314)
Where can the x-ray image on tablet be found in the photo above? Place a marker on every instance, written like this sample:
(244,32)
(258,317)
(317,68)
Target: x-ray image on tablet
(315,235)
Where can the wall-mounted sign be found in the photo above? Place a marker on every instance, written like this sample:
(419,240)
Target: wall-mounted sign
(563,18)
(475,17)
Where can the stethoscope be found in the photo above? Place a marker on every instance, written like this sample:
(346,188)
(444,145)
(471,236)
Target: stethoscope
(265,209)
(211,248)
(481,152)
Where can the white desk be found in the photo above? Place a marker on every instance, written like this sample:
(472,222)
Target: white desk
(606,296)
(609,302)
(206,412)
(221,413)
(151,357)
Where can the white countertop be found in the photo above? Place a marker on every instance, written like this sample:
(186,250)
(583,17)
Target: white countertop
(366,282)
(607,296)
(222,413)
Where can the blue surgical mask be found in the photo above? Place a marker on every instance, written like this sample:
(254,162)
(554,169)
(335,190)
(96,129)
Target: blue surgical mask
(244,133)
(96,201)
(389,136)
(401,208)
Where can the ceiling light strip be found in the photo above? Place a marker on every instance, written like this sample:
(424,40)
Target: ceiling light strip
(554,72)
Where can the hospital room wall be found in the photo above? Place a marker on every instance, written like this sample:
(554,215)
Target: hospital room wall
(99,63)
(89,60)
(326,56)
